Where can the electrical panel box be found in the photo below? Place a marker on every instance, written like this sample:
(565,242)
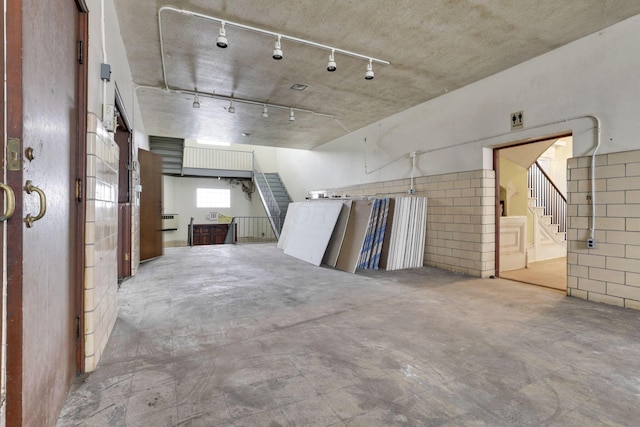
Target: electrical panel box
(105,72)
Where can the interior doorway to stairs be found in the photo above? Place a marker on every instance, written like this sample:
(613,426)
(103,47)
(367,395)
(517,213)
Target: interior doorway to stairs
(531,185)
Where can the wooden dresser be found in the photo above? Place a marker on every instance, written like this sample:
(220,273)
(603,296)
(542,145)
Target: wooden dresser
(209,234)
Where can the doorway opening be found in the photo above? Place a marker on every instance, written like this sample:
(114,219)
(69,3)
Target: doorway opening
(123,140)
(531,187)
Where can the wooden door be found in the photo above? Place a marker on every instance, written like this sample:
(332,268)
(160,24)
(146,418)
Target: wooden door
(5,197)
(150,205)
(46,115)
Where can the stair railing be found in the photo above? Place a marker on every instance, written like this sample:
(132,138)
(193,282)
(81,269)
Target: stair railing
(548,194)
(268,199)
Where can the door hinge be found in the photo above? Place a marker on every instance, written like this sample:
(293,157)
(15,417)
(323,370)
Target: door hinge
(80,52)
(79,190)
(77,327)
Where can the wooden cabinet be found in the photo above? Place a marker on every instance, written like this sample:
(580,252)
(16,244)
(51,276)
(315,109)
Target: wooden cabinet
(209,234)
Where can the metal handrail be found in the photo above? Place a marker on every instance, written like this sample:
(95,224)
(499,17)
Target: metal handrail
(268,199)
(253,229)
(547,193)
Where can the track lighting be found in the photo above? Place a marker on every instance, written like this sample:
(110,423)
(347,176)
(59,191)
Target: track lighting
(331,66)
(292,116)
(369,74)
(221,41)
(196,101)
(265,112)
(277,51)
(231,108)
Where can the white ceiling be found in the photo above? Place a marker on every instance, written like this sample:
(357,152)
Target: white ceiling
(434,46)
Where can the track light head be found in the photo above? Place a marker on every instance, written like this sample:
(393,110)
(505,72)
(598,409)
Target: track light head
(231,108)
(368,75)
(265,112)
(221,41)
(292,116)
(196,101)
(277,51)
(331,66)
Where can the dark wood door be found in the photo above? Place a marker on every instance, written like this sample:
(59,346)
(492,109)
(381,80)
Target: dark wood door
(4,195)
(150,205)
(46,117)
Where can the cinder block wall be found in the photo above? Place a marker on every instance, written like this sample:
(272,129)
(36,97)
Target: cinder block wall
(460,217)
(610,273)
(101,241)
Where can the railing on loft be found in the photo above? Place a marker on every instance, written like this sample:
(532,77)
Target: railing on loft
(548,196)
(253,229)
(268,199)
(209,158)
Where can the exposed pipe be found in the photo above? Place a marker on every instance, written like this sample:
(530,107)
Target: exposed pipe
(412,190)
(555,122)
(104,58)
(593,182)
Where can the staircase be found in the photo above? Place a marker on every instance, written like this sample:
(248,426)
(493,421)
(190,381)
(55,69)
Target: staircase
(274,196)
(548,208)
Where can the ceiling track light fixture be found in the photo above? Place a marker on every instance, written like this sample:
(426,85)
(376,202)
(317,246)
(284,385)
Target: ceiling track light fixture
(231,108)
(196,101)
(292,116)
(277,52)
(234,100)
(331,66)
(221,41)
(368,75)
(265,112)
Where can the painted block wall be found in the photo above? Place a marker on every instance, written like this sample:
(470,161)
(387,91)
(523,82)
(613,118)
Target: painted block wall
(610,273)
(460,217)
(558,92)
(101,241)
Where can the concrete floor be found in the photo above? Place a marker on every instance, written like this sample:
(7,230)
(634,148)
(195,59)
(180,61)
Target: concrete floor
(246,336)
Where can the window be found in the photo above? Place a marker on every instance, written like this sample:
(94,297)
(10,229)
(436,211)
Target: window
(213,198)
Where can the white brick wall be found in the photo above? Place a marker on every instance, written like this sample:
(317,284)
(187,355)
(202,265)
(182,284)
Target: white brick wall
(610,273)
(101,240)
(460,217)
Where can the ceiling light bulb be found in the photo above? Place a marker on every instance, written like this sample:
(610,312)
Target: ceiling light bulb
(277,52)
(265,112)
(231,109)
(221,41)
(292,116)
(331,66)
(369,74)
(196,101)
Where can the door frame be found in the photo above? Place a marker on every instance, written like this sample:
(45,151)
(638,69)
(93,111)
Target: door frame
(496,168)
(81,177)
